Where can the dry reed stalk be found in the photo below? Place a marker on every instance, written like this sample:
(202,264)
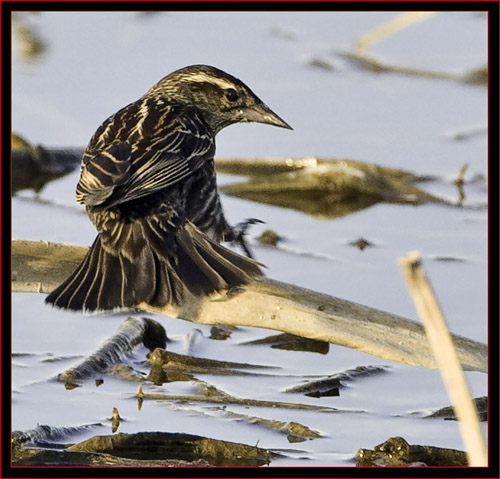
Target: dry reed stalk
(446,357)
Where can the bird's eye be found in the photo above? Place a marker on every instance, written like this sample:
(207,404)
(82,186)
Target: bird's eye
(231,94)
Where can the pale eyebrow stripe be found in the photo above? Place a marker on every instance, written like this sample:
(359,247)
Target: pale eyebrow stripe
(203,77)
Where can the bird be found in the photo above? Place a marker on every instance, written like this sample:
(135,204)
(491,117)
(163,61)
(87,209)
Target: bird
(148,183)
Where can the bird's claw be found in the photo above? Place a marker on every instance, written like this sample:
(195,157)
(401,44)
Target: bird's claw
(239,232)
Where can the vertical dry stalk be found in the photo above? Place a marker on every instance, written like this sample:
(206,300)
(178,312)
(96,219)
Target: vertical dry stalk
(446,357)
(399,22)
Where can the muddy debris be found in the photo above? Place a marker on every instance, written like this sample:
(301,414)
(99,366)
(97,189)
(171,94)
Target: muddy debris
(476,76)
(290,342)
(61,458)
(184,447)
(321,64)
(294,431)
(397,452)
(449,259)
(174,362)
(127,373)
(448,413)
(158,375)
(331,385)
(270,238)
(145,449)
(361,244)
(463,134)
(35,166)
(221,333)
(209,391)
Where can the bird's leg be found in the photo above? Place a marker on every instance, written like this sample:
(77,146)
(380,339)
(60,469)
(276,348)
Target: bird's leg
(237,233)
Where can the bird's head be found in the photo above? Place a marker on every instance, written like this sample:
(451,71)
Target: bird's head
(221,98)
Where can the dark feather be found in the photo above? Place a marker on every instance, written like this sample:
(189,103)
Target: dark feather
(143,159)
(200,266)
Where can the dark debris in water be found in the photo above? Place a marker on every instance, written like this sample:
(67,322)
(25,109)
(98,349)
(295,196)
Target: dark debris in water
(284,33)
(331,385)
(468,133)
(167,366)
(449,259)
(270,238)
(290,342)
(448,413)
(35,166)
(58,458)
(222,332)
(476,76)
(294,431)
(184,447)
(321,63)
(146,449)
(126,373)
(361,243)
(397,452)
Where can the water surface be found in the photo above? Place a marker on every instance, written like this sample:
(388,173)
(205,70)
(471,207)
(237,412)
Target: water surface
(95,63)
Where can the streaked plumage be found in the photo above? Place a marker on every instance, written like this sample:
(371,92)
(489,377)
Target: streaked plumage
(149,186)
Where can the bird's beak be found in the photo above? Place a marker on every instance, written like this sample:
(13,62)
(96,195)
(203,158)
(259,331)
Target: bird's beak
(261,113)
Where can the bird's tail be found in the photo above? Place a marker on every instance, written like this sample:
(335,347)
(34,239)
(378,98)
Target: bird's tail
(195,264)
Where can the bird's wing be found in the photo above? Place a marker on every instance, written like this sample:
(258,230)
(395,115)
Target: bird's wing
(145,147)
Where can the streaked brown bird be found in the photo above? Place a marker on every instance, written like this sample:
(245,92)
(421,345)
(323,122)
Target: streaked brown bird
(149,186)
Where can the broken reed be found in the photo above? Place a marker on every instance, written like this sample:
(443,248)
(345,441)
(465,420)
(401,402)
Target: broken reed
(446,357)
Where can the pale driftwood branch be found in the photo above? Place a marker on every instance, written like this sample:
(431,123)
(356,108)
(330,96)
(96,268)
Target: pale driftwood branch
(40,266)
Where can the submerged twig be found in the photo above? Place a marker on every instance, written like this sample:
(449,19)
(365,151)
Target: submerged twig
(233,400)
(330,385)
(459,182)
(296,432)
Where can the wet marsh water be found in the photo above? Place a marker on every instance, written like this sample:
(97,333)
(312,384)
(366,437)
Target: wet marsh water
(96,63)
